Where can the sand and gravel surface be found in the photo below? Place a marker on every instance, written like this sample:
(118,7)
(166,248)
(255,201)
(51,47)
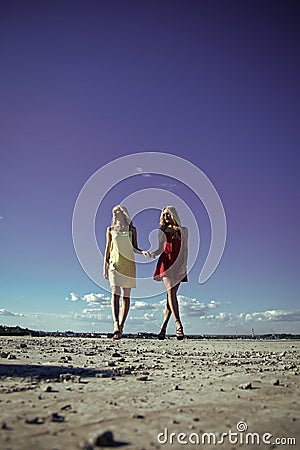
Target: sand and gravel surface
(87,394)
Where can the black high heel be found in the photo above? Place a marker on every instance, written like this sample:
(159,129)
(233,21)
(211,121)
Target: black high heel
(179,331)
(162,334)
(117,334)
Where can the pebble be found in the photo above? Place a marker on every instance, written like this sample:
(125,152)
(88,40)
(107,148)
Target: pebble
(55,417)
(66,407)
(245,386)
(63,377)
(34,421)
(105,439)
(110,363)
(49,389)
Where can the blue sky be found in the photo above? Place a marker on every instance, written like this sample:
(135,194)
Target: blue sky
(213,82)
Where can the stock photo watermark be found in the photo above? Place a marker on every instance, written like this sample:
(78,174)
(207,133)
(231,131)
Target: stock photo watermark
(148,164)
(240,436)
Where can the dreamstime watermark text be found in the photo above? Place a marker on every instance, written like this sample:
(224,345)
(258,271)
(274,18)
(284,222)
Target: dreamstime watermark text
(240,436)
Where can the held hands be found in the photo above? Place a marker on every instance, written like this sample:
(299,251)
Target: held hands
(148,254)
(105,271)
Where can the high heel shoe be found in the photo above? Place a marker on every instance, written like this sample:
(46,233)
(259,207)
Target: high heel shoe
(162,334)
(179,331)
(117,332)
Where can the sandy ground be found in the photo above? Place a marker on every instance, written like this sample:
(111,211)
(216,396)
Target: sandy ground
(69,393)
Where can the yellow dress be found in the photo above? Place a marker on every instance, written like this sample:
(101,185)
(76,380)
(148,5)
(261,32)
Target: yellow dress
(122,270)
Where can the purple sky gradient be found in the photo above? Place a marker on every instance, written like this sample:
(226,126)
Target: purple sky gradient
(215,82)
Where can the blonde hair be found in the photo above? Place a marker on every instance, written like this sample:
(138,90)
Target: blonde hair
(174,217)
(125,213)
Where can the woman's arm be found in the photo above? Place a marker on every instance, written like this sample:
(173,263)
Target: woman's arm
(136,249)
(161,242)
(184,248)
(107,253)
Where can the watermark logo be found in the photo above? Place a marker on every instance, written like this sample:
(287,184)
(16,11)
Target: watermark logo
(148,164)
(239,437)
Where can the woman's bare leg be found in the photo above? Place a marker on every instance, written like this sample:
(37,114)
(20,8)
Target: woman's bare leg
(172,297)
(115,306)
(167,315)
(125,306)
(173,304)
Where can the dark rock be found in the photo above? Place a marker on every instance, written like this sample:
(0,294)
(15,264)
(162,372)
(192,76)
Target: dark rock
(35,421)
(49,389)
(246,386)
(105,439)
(55,417)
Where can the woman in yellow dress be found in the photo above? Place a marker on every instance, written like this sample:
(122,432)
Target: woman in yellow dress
(119,265)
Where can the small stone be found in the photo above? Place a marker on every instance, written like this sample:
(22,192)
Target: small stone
(55,417)
(48,389)
(66,407)
(246,386)
(87,446)
(105,439)
(34,421)
(11,356)
(110,363)
(143,378)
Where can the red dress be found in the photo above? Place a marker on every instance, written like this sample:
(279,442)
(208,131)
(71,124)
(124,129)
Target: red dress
(169,260)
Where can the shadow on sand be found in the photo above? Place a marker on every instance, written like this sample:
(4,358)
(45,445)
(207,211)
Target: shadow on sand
(46,372)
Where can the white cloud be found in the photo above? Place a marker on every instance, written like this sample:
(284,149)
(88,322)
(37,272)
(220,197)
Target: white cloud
(90,298)
(223,317)
(274,315)
(140,305)
(169,186)
(148,316)
(213,304)
(195,308)
(73,296)
(5,312)
(141,171)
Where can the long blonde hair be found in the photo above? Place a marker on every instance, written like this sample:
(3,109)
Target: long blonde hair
(125,213)
(174,217)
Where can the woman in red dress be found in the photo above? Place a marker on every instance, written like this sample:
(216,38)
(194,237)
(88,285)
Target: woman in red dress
(171,266)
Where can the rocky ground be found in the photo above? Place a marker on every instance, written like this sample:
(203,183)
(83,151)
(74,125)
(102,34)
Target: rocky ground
(86,394)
